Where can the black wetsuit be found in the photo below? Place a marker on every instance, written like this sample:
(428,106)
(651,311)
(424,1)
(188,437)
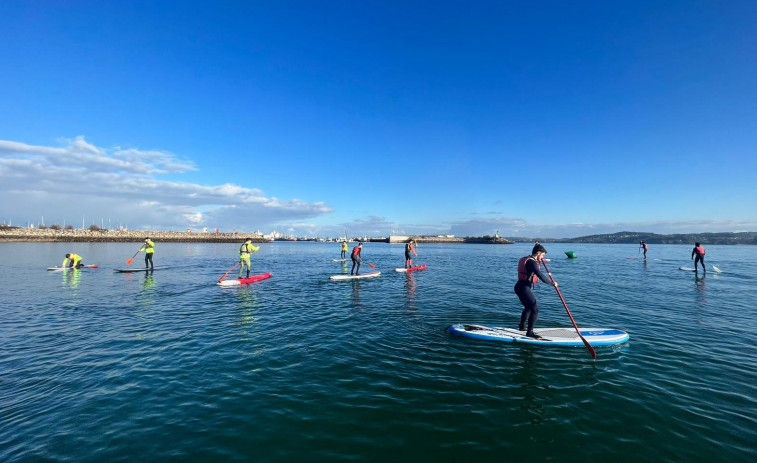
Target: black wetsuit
(698,257)
(526,295)
(356,260)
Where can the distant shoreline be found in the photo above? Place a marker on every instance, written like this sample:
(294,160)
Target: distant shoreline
(12,234)
(118,236)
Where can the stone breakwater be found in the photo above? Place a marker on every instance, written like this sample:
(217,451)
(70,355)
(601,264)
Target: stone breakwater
(118,236)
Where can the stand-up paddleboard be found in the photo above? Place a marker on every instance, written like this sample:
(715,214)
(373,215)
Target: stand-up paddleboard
(355,277)
(72,268)
(549,336)
(338,260)
(138,269)
(245,281)
(411,269)
(687,269)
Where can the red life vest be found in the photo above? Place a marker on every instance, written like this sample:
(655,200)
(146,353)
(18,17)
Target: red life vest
(522,276)
(699,250)
(356,251)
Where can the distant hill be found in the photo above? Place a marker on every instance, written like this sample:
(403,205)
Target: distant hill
(626,237)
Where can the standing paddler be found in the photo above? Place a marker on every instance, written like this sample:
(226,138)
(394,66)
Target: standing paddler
(409,248)
(529,269)
(149,250)
(356,259)
(344,250)
(245,251)
(698,255)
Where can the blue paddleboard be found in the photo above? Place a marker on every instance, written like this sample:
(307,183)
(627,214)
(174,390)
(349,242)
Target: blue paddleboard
(549,336)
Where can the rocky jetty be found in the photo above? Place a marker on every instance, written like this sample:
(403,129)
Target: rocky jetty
(116,236)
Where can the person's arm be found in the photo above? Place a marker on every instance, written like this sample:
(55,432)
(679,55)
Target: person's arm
(533,267)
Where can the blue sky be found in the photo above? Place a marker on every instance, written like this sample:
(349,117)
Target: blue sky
(541,119)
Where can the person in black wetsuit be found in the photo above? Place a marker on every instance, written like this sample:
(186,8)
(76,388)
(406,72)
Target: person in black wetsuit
(698,255)
(356,259)
(644,246)
(529,270)
(409,248)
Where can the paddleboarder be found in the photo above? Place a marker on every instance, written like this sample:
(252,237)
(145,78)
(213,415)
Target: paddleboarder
(409,248)
(245,251)
(149,250)
(644,246)
(356,259)
(72,260)
(529,270)
(698,255)
(344,250)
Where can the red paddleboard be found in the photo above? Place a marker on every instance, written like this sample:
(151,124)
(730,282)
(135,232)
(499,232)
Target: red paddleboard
(411,269)
(245,281)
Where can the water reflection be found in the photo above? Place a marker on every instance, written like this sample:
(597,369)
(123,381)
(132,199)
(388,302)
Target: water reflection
(148,282)
(248,305)
(356,293)
(71,278)
(410,287)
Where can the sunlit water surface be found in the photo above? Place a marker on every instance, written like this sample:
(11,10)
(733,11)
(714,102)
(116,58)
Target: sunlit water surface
(104,366)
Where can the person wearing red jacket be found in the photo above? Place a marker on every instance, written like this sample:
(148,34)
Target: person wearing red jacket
(698,251)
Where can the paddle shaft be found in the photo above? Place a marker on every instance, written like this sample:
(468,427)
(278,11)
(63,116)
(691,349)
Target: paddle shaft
(128,262)
(586,343)
(224,275)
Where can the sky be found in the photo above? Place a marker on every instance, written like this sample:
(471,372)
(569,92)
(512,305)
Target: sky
(547,119)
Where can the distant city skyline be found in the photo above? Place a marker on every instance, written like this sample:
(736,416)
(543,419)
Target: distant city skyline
(552,120)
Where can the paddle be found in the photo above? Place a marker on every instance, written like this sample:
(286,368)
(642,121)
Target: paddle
(586,343)
(717,269)
(128,262)
(224,275)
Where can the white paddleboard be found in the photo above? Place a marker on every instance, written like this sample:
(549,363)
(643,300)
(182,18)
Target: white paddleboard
(58,269)
(138,269)
(338,260)
(355,277)
(549,336)
(687,269)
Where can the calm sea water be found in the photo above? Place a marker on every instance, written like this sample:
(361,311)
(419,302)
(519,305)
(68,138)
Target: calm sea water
(102,366)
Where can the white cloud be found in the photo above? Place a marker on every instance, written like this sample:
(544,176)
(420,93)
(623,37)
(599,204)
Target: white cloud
(64,183)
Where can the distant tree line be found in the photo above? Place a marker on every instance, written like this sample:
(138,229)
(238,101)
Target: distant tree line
(626,237)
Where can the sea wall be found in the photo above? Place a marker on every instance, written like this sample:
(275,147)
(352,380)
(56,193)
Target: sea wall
(446,239)
(116,236)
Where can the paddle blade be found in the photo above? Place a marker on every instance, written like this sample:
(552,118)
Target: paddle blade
(128,262)
(717,269)
(371,266)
